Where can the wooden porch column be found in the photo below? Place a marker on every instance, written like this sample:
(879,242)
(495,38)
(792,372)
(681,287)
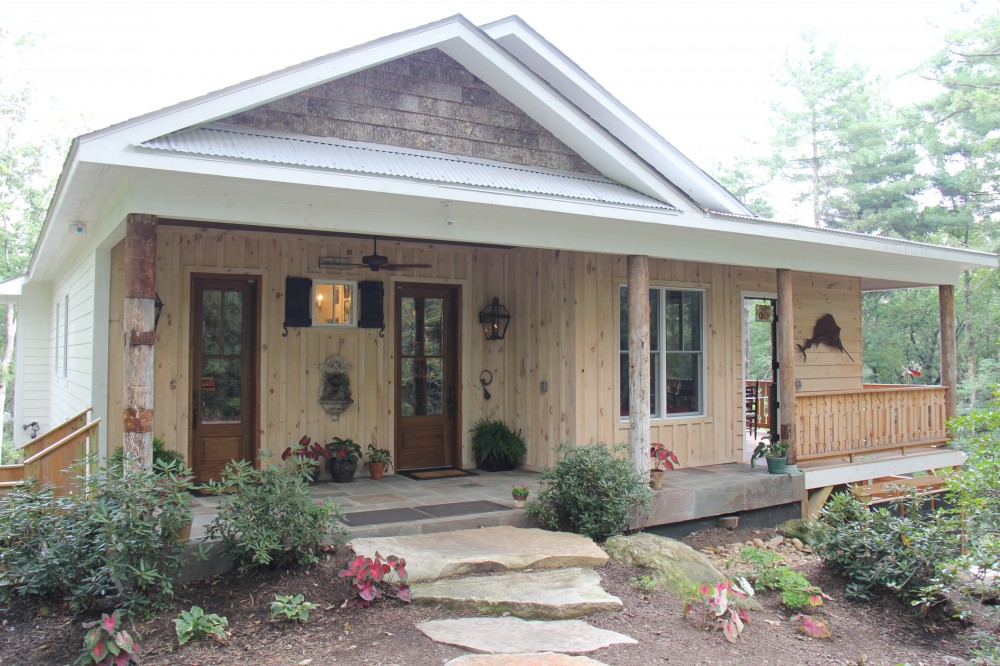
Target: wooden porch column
(140,294)
(949,349)
(786,365)
(638,362)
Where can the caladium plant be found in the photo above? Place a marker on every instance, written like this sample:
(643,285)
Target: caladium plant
(717,601)
(370,578)
(662,457)
(107,643)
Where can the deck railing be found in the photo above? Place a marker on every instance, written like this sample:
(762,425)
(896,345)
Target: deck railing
(880,417)
(50,456)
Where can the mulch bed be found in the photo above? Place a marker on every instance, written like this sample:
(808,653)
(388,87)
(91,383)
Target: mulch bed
(877,632)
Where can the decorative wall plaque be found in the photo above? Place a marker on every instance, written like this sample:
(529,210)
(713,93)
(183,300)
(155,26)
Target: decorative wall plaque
(335,386)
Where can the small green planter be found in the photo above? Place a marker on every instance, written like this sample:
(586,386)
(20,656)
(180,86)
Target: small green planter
(776,465)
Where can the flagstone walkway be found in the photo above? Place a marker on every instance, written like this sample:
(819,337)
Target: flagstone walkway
(547,577)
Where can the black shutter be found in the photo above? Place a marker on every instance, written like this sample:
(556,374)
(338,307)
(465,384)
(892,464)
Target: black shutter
(297,311)
(372,315)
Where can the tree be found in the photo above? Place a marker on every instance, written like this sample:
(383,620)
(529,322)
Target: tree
(843,147)
(25,188)
(963,148)
(743,181)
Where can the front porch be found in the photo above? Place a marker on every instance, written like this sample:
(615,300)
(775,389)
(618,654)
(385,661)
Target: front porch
(397,505)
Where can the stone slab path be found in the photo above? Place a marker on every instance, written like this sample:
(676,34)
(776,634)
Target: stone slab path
(546,594)
(430,556)
(532,659)
(498,635)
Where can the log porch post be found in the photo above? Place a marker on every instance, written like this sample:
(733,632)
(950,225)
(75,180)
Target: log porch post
(638,362)
(140,294)
(786,365)
(949,349)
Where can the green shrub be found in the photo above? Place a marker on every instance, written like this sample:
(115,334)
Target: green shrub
(118,538)
(292,609)
(591,492)
(161,457)
(267,516)
(880,549)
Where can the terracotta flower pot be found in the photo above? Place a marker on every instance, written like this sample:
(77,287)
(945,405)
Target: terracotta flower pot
(376,470)
(656,478)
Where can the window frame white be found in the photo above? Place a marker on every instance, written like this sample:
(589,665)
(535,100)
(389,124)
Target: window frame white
(352,285)
(658,411)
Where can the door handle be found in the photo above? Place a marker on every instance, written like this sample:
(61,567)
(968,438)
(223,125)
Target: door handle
(451,402)
(194,410)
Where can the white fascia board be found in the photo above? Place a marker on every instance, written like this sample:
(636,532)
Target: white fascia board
(282,83)
(567,122)
(10,289)
(857,472)
(245,193)
(571,80)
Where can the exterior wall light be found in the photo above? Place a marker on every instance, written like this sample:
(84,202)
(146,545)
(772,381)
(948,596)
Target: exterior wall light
(494,319)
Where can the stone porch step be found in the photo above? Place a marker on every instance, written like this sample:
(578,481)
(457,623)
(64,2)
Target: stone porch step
(407,522)
(551,594)
(504,548)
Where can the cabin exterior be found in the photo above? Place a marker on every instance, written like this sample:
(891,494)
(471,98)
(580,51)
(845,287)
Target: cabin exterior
(206,274)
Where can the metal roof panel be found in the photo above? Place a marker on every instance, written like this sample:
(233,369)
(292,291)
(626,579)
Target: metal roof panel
(356,157)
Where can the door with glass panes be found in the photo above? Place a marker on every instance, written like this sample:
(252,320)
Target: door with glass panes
(426,370)
(223,372)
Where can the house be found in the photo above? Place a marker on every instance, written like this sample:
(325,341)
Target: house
(316,251)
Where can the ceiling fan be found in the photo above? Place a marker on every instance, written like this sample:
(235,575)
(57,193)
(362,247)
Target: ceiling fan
(379,262)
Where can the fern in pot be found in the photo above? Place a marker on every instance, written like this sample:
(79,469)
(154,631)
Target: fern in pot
(496,447)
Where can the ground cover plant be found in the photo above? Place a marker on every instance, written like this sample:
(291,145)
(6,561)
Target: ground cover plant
(591,491)
(769,572)
(196,624)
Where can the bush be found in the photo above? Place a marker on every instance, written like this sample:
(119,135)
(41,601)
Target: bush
(591,492)
(161,457)
(880,549)
(118,538)
(195,624)
(267,516)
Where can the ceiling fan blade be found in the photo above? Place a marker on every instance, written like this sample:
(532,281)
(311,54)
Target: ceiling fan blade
(402,267)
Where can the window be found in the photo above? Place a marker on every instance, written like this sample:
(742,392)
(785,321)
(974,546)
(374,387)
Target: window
(676,352)
(62,337)
(333,303)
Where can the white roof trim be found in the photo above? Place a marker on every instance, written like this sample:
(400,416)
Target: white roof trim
(571,80)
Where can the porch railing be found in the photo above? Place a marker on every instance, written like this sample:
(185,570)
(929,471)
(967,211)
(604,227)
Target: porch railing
(50,456)
(878,418)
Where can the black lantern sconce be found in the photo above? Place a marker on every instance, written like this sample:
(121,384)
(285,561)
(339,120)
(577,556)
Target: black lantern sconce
(494,319)
(157,309)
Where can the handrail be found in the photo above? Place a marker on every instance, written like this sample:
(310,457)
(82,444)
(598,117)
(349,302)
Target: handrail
(65,440)
(38,442)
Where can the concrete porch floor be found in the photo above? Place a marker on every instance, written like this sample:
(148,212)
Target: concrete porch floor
(397,505)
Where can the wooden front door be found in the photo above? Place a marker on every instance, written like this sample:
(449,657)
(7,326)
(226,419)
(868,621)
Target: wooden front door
(427,344)
(223,372)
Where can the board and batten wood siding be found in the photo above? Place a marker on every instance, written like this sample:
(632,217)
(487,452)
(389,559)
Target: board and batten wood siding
(555,375)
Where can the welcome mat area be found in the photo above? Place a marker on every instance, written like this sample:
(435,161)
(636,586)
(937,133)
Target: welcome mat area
(380,516)
(436,473)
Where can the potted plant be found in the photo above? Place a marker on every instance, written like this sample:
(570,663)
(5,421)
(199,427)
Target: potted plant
(310,450)
(378,460)
(520,494)
(344,456)
(774,451)
(496,447)
(663,459)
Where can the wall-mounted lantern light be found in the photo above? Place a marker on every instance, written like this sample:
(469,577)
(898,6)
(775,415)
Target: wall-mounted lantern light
(494,319)
(157,309)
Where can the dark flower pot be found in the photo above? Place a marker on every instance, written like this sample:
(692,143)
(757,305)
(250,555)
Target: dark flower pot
(776,465)
(342,471)
(494,464)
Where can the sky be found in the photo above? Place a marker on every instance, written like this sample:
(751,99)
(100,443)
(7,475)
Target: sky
(700,72)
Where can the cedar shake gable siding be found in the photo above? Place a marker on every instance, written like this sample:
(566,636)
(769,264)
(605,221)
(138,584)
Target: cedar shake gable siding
(425,101)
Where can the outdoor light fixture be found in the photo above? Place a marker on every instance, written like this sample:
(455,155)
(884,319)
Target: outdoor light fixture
(494,320)
(157,309)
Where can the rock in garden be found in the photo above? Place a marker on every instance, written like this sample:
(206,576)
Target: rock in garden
(523,659)
(677,567)
(512,635)
(795,528)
